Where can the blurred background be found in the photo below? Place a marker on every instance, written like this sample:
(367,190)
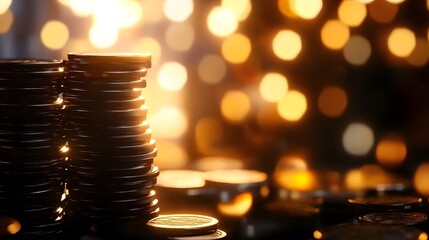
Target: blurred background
(330,95)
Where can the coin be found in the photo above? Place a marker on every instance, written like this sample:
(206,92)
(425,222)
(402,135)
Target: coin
(181,179)
(218,234)
(183,225)
(110,57)
(387,202)
(402,218)
(236,178)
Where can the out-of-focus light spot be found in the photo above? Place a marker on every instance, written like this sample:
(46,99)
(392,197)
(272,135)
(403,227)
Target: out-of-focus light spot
(332,101)
(208,133)
(212,69)
(148,45)
(235,106)
(222,21)
(420,55)
(287,44)
(54,34)
(180,36)
(76,45)
(423,236)
(178,10)
(153,11)
(292,106)
(130,13)
(82,8)
(273,87)
(334,34)
(357,50)
(241,8)
(170,155)
(366,1)
(4,6)
(169,123)
(172,76)
(268,116)
(306,9)
(295,179)
(401,42)
(238,206)
(181,178)
(103,36)
(352,12)
(291,162)
(213,163)
(285,8)
(13,227)
(421,179)
(391,151)
(367,177)
(6,20)
(236,48)
(395,1)
(358,139)
(317,234)
(382,11)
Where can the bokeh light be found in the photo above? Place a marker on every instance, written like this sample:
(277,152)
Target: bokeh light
(306,9)
(180,36)
(178,10)
(273,87)
(332,101)
(236,48)
(352,12)
(238,206)
(241,8)
(170,155)
(103,36)
(218,162)
(366,1)
(334,34)
(391,151)
(169,123)
(420,55)
(131,13)
(401,42)
(212,69)
(222,21)
(6,20)
(76,45)
(285,8)
(235,106)
(54,34)
(82,8)
(287,44)
(358,139)
(209,133)
(148,45)
(292,106)
(357,50)
(382,11)
(421,179)
(395,1)
(172,76)
(367,177)
(291,173)
(4,6)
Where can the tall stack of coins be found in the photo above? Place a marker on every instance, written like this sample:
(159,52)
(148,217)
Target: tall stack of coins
(110,171)
(30,139)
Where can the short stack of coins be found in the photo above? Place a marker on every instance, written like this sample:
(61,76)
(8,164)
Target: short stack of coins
(110,171)
(31,165)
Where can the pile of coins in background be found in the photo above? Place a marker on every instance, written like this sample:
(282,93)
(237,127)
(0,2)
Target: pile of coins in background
(31,165)
(110,171)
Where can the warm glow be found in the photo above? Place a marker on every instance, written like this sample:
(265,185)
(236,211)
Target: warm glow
(235,106)
(222,21)
(273,87)
(213,163)
(285,8)
(76,45)
(170,155)
(130,12)
(169,123)
(423,236)
(208,133)
(13,227)
(287,44)
(306,9)
(268,117)
(391,151)
(6,21)
(420,55)
(352,12)
(354,180)
(335,34)
(236,48)
(296,163)
(64,149)
(382,11)
(180,36)
(181,179)
(4,6)
(238,206)
(103,36)
(421,179)
(299,180)
(366,1)
(148,45)
(172,76)
(332,101)
(358,139)
(212,69)
(395,1)
(236,176)
(357,50)
(54,34)
(401,42)
(82,8)
(178,10)
(367,177)
(317,234)
(241,8)
(292,106)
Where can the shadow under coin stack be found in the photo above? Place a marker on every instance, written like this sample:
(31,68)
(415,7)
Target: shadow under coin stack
(110,171)
(31,164)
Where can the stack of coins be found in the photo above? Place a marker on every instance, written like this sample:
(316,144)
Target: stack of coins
(30,139)
(110,171)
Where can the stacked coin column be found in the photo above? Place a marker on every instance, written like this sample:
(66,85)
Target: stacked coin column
(30,140)
(110,171)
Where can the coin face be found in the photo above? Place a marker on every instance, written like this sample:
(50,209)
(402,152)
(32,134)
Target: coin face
(181,179)
(178,225)
(235,176)
(219,234)
(405,218)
